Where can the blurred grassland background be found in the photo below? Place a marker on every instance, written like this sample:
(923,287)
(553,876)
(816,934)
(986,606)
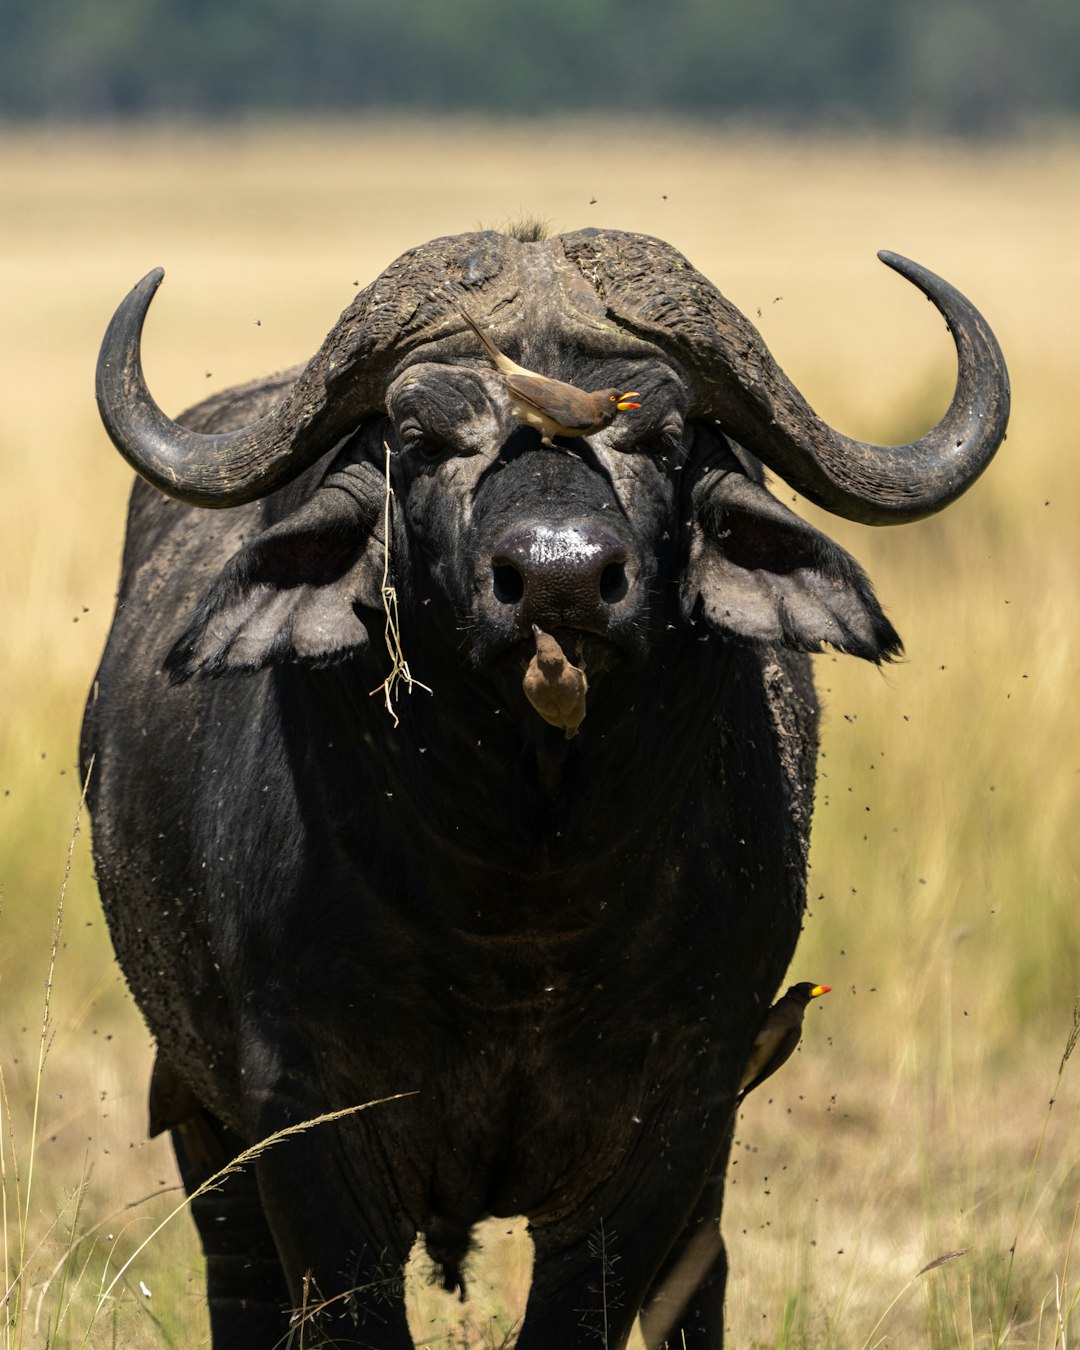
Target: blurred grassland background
(945,856)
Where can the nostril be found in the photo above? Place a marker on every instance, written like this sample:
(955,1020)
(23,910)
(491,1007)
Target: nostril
(507,583)
(613,583)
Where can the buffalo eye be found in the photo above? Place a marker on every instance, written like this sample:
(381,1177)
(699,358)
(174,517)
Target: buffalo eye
(412,437)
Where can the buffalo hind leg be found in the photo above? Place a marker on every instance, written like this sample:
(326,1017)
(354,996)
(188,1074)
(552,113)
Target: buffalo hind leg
(248,1297)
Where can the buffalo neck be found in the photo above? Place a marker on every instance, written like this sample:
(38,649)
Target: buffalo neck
(461,776)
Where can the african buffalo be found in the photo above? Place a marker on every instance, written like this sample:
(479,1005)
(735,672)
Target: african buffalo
(559,949)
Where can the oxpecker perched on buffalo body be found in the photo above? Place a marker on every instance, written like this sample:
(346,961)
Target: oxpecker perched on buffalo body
(555,932)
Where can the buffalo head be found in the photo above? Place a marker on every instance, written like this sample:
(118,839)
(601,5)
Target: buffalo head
(598,540)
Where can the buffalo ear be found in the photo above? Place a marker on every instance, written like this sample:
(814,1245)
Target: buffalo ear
(291,594)
(764,575)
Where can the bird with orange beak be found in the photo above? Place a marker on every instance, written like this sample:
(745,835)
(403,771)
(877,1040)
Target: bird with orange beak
(779,1035)
(554,407)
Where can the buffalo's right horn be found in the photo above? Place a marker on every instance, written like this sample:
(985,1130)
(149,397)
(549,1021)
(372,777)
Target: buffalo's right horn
(216,468)
(401,316)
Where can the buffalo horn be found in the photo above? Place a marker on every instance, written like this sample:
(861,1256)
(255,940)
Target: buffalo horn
(732,377)
(401,317)
(201,468)
(223,468)
(881,484)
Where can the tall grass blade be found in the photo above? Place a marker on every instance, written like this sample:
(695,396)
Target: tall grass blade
(1000,1325)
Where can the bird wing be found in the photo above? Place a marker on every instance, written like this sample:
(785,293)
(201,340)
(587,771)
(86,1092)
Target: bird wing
(564,406)
(772,1048)
(563,403)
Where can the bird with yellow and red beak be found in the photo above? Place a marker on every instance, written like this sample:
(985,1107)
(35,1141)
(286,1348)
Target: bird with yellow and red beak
(779,1035)
(554,407)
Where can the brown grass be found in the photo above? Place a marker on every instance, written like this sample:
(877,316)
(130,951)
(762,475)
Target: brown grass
(945,853)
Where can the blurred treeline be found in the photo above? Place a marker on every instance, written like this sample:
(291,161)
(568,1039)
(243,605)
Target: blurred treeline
(970,67)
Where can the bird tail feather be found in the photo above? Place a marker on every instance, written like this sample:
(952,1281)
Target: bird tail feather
(490,347)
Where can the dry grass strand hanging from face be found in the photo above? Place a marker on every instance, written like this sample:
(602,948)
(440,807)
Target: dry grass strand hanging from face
(399,667)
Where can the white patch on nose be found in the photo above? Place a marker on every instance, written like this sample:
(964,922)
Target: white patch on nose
(551,545)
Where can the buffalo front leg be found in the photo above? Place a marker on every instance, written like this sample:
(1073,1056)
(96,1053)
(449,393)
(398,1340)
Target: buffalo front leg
(344,1255)
(582,1297)
(588,1288)
(342,1228)
(246,1290)
(651,1246)
(685,1303)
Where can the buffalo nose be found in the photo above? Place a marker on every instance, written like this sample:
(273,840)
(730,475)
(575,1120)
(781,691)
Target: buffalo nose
(568,574)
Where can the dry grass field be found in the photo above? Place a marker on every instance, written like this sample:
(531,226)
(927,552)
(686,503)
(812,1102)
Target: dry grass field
(915,1121)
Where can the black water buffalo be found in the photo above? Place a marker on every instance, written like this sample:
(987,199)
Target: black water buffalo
(560,949)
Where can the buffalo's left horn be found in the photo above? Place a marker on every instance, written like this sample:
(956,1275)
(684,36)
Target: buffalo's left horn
(886,484)
(655,294)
